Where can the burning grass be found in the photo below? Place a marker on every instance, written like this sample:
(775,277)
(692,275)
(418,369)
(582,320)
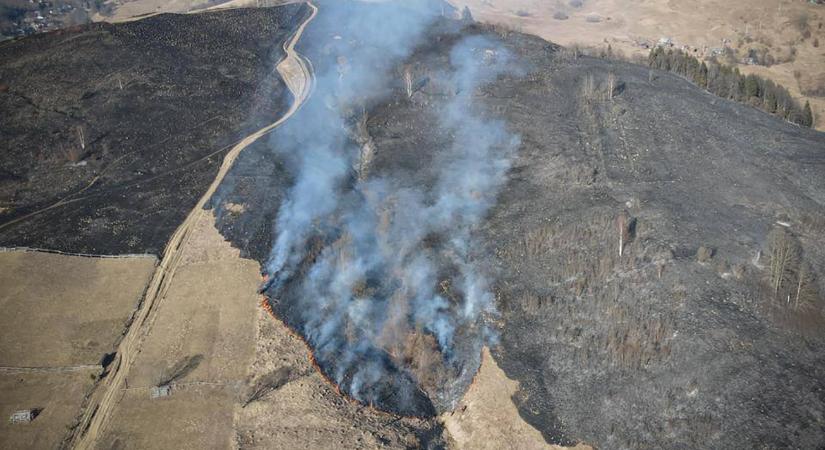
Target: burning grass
(414,371)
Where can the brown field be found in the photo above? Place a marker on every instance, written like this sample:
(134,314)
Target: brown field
(61,314)
(700,25)
(487,418)
(59,394)
(65,310)
(208,314)
(125,10)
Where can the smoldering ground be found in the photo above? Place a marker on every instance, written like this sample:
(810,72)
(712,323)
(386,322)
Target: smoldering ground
(381,277)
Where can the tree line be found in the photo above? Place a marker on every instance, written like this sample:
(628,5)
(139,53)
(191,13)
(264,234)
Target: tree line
(727,82)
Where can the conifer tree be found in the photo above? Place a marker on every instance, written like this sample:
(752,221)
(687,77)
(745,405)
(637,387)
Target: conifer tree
(807,115)
(751,86)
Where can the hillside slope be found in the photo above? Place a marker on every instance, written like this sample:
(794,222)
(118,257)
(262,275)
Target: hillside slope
(112,132)
(678,342)
(654,252)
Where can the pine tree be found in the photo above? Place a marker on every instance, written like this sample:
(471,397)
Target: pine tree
(769,97)
(807,115)
(702,79)
(751,86)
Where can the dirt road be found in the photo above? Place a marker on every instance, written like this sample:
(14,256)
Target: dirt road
(297,74)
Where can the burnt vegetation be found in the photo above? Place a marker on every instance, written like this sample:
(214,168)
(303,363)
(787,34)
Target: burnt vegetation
(623,247)
(123,126)
(655,252)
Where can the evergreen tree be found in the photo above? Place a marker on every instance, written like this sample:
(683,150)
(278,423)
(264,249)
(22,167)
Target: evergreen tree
(751,86)
(769,97)
(807,115)
(727,82)
(739,85)
(702,79)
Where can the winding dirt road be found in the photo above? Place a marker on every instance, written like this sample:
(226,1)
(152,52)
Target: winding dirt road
(297,74)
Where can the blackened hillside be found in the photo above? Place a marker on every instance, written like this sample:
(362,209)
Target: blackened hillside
(689,337)
(122,127)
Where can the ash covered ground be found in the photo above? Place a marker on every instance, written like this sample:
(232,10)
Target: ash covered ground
(126,125)
(680,341)
(690,336)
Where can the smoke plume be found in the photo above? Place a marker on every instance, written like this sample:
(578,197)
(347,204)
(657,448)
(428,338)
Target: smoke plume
(382,277)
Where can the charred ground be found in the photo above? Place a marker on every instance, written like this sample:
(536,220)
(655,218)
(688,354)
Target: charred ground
(127,124)
(675,343)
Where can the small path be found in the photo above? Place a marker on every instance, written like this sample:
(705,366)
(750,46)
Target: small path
(59,369)
(98,411)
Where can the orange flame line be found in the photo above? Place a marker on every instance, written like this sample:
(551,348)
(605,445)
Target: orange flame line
(311,357)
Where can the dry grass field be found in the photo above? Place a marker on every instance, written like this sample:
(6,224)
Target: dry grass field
(487,418)
(61,314)
(59,394)
(792,31)
(201,342)
(126,10)
(65,310)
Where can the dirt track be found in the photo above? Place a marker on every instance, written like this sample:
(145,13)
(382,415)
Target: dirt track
(296,72)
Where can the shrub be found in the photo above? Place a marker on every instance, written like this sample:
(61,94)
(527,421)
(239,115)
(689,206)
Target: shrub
(72,154)
(704,254)
(801,21)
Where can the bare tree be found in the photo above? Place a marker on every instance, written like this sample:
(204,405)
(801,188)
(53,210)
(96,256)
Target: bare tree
(806,291)
(612,82)
(623,227)
(785,257)
(269,383)
(180,369)
(589,87)
(407,77)
(362,136)
(81,137)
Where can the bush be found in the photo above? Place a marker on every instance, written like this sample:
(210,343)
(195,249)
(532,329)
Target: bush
(704,254)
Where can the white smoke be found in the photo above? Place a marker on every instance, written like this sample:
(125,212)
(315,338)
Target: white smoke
(378,283)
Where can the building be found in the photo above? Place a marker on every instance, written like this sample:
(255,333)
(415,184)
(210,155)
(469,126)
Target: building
(160,391)
(23,416)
